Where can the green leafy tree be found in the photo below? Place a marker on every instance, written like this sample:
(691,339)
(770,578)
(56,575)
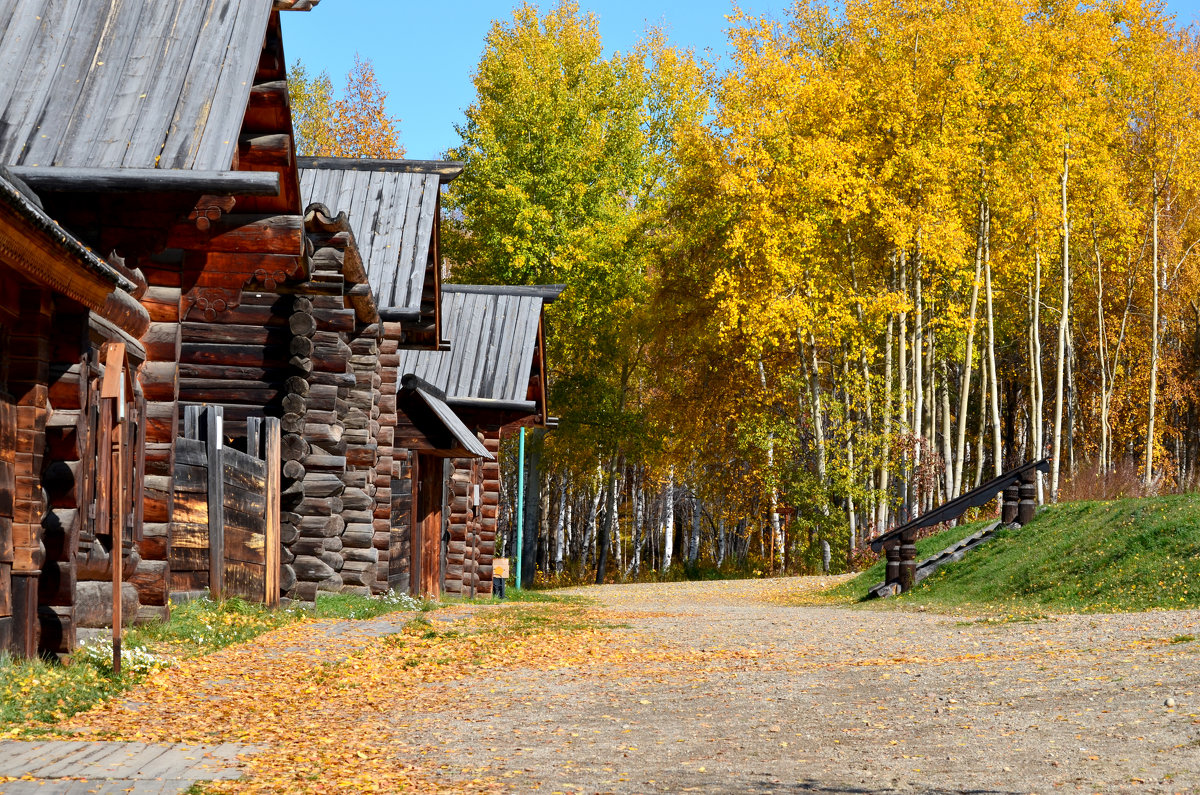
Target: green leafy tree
(565,150)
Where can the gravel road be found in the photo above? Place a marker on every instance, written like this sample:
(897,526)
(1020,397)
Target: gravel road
(759,696)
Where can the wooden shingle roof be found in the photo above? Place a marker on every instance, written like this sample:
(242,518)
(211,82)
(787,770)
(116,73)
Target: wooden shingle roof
(127,83)
(493,333)
(393,207)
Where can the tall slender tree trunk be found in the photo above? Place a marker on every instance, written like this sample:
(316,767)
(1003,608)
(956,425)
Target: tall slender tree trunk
(1148,473)
(1102,356)
(918,413)
(984,388)
(776,528)
(669,520)
(851,513)
(902,336)
(932,411)
(604,535)
(947,436)
(993,380)
(1037,380)
(694,539)
(881,520)
(964,388)
(1064,319)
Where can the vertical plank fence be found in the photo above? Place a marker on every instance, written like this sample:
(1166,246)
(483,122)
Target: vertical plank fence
(226,531)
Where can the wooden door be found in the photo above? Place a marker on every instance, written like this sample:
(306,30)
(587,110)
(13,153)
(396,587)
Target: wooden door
(427,527)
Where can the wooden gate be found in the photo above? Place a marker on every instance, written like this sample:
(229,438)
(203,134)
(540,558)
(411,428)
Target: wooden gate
(225,529)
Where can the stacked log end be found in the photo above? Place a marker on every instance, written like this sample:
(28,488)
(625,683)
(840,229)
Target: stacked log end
(473,507)
(489,513)
(159,377)
(359,554)
(388,464)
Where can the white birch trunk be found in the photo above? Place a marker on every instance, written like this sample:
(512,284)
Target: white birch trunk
(1064,319)
(964,388)
(669,520)
(1148,473)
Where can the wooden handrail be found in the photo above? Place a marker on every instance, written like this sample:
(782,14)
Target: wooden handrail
(957,507)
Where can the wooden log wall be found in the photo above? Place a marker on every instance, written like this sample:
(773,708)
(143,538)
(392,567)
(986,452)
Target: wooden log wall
(389,463)
(473,511)
(317,405)
(359,502)
(400,533)
(29,373)
(159,378)
(459,575)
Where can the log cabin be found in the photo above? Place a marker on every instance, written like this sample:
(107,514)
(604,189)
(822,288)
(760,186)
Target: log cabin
(161,132)
(493,377)
(69,329)
(392,209)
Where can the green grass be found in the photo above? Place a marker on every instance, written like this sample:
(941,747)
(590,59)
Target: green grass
(857,588)
(36,690)
(1115,556)
(37,693)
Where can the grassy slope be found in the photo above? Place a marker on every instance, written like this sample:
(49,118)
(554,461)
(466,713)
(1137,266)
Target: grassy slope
(1133,554)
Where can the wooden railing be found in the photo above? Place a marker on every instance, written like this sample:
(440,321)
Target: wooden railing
(225,532)
(1020,492)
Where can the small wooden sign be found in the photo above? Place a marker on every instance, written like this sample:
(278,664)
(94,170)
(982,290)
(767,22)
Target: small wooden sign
(500,568)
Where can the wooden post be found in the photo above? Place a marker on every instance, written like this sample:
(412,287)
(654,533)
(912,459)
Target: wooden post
(908,564)
(274,556)
(1008,513)
(519,516)
(214,429)
(112,400)
(1028,504)
(893,563)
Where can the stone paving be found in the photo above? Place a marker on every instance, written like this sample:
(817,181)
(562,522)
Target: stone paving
(109,767)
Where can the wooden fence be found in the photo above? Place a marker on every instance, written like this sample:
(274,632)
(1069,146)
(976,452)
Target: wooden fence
(225,532)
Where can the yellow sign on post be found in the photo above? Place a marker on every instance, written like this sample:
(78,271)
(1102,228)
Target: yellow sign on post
(500,568)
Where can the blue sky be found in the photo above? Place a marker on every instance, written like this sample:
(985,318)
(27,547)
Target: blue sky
(425,53)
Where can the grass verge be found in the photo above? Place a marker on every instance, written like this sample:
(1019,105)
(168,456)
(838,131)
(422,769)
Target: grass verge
(37,693)
(1095,556)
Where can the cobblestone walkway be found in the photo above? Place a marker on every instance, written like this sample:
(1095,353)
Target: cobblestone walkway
(68,768)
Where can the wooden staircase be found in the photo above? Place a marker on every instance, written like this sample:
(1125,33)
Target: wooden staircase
(1017,507)
(950,554)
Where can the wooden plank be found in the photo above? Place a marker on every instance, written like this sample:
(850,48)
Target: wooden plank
(234,83)
(250,503)
(192,479)
(247,546)
(244,471)
(41,106)
(169,65)
(236,233)
(271,541)
(191,452)
(246,580)
(214,432)
(411,271)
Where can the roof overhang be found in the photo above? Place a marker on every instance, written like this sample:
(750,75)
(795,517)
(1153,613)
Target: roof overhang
(60,179)
(446,170)
(549,293)
(34,245)
(426,407)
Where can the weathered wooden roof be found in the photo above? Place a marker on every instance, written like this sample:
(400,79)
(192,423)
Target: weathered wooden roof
(493,333)
(435,400)
(392,206)
(127,83)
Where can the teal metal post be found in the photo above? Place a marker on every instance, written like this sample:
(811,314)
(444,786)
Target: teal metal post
(520,503)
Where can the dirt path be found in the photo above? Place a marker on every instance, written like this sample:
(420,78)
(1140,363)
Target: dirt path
(690,687)
(762,697)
